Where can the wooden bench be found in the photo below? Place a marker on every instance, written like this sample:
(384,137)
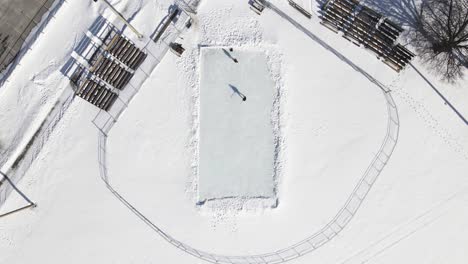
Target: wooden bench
(111,72)
(96,94)
(126,52)
(364,26)
(300,9)
(256,6)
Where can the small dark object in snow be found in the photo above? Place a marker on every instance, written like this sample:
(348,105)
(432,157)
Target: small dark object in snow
(176,48)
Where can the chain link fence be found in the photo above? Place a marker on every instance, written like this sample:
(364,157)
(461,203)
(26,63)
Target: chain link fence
(32,149)
(22,163)
(104,121)
(309,244)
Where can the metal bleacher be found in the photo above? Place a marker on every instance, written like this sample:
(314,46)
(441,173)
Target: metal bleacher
(364,26)
(110,71)
(100,69)
(125,51)
(97,94)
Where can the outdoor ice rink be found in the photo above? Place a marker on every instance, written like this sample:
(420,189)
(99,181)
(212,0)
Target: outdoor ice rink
(236,145)
(333,157)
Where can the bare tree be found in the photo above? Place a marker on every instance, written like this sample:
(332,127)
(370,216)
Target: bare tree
(441,36)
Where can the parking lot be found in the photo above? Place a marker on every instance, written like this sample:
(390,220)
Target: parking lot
(17,19)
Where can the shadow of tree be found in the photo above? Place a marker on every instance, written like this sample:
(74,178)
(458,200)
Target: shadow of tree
(403,12)
(449,65)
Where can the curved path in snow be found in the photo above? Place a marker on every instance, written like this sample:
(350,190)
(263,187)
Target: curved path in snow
(322,236)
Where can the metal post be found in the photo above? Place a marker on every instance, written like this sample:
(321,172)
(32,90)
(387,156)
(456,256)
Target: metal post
(31,204)
(19,209)
(121,17)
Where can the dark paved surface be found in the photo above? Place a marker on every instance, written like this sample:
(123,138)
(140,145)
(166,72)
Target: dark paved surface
(17,19)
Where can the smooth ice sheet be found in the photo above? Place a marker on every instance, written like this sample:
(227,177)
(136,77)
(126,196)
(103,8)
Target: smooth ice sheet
(236,144)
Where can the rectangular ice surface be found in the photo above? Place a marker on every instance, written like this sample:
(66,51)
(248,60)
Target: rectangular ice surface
(236,144)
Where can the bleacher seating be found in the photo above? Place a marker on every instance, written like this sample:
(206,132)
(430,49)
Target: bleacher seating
(364,26)
(110,71)
(103,63)
(97,94)
(125,51)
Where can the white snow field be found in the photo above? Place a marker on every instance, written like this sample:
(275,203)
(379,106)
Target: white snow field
(236,144)
(369,165)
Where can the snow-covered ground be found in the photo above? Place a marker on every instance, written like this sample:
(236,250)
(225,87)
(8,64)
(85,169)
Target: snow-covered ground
(333,114)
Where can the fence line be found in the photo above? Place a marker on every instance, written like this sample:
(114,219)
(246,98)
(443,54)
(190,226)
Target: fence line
(104,121)
(309,244)
(6,179)
(35,144)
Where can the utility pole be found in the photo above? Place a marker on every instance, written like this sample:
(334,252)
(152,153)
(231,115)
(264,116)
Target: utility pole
(123,18)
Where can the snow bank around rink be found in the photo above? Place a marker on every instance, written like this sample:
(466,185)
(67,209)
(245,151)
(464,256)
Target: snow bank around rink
(242,32)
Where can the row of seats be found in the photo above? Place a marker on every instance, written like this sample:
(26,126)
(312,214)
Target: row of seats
(364,26)
(78,74)
(399,57)
(107,65)
(111,63)
(96,94)
(125,51)
(111,72)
